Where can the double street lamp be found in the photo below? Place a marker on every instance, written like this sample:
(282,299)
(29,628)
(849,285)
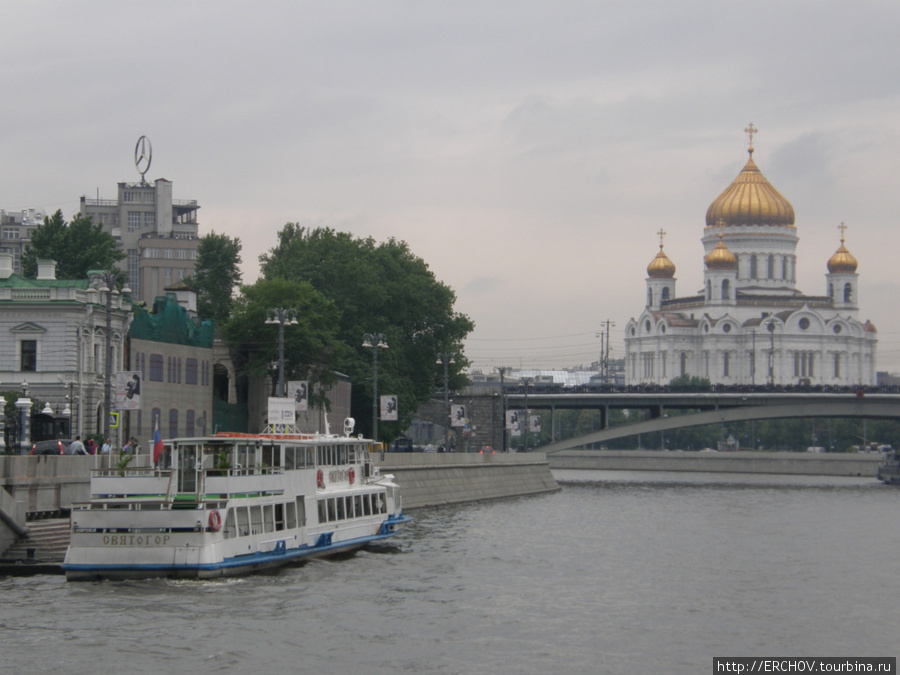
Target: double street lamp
(108,286)
(283,317)
(374,341)
(446,358)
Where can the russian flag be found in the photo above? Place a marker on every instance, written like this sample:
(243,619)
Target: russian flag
(157,444)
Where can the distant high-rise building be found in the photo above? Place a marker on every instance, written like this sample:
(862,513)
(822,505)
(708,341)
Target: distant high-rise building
(15,233)
(157,233)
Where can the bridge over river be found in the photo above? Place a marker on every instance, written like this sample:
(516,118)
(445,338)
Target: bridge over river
(705,408)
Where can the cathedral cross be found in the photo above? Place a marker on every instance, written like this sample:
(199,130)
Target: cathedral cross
(750,131)
(661,233)
(843,229)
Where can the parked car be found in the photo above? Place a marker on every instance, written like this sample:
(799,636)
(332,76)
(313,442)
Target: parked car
(56,446)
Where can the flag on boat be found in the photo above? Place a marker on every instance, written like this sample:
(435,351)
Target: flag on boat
(157,444)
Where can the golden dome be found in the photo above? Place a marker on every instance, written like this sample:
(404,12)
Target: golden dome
(750,200)
(661,267)
(842,262)
(720,258)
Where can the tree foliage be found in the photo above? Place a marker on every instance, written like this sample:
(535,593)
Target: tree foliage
(77,247)
(312,349)
(216,275)
(378,288)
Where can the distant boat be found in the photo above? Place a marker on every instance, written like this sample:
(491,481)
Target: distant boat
(232,504)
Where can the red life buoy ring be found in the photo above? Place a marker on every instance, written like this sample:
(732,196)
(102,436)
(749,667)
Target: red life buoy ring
(352,474)
(320,479)
(215,521)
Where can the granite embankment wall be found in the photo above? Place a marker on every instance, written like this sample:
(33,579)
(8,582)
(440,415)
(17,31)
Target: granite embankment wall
(434,479)
(825,464)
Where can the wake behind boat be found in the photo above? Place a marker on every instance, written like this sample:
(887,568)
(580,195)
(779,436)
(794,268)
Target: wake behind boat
(232,504)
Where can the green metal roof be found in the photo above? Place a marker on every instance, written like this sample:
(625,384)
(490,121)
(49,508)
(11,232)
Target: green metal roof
(170,323)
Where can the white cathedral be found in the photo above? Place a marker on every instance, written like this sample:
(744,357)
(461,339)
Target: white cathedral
(749,325)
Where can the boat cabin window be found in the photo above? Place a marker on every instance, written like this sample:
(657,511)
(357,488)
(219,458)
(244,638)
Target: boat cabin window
(243,521)
(256,520)
(269,517)
(271,455)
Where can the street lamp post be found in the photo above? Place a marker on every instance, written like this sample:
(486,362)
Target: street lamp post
(503,370)
(108,281)
(283,317)
(446,358)
(527,382)
(375,341)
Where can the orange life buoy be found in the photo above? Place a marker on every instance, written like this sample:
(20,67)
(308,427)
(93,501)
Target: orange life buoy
(320,479)
(215,521)
(352,475)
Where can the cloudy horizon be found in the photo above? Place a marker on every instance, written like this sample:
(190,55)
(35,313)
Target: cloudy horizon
(527,151)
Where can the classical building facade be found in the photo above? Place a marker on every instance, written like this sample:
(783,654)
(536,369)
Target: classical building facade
(750,325)
(55,337)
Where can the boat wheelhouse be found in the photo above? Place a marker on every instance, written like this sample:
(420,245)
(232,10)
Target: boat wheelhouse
(232,504)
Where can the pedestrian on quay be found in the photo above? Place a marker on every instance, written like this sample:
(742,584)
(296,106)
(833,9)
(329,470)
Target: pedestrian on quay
(106,447)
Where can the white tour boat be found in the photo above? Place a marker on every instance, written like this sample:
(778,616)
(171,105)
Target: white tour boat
(232,504)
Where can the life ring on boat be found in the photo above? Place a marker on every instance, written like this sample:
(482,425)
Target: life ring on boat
(352,475)
(320,479)
(215,521)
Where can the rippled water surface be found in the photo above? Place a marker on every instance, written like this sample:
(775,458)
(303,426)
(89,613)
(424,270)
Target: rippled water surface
(616,573)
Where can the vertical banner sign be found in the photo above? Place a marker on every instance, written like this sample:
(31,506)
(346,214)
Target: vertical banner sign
(128,391)
(389,408)
(299,392)
(458,416)
(281,411)
(512,420)
(535,423)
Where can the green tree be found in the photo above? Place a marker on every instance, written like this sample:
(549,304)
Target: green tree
(378,288)
(216,275)
(312,350)
(77,247)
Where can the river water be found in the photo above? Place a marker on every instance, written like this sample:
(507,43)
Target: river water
(618,572)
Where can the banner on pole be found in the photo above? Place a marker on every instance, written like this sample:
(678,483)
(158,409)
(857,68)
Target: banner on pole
(389,408)
(299,392)
(281,411)
(128,390)
(458,416)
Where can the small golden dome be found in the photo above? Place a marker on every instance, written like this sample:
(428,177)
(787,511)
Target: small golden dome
(661,267)
(720,258)
(842,262)
(750,199)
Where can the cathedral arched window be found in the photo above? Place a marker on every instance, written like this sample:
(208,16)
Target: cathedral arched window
(665,293)
(831,291)
(649,297)
(725,290)
(848,292)
(753,266)
(708,290)
(784,268)
(683,363)
(771,267)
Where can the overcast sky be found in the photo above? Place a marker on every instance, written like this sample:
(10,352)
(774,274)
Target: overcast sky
(527,151)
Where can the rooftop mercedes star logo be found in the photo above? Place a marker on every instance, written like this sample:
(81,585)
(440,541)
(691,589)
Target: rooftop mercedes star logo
(143,155)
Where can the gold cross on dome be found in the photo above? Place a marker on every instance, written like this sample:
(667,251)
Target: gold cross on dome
(843,229)
(750,131)
(661,233)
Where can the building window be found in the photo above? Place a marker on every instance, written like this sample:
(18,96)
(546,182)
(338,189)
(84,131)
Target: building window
(649,297)
(29,355)
(804,323)
(189,423)
(168,253)
(190,371)
(848,292)
(665,293)
(725,290)
(683,363)
(771,267)
(837,366)
(134,221)
(173,422)
(156,368)
(726,362)
(753,271)
(149,219)
(133,261)
(10,232)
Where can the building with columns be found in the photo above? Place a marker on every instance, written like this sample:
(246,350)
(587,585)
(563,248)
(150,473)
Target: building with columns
(749,324)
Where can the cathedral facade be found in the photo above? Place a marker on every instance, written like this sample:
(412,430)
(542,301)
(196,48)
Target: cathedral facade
(749,325)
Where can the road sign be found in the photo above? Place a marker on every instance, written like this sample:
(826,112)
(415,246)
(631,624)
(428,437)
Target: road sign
(114,420)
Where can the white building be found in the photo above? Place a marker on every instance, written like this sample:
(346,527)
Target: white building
(749,325)
(55,336)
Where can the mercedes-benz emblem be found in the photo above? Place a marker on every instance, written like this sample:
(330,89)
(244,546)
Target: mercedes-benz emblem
(143,155)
